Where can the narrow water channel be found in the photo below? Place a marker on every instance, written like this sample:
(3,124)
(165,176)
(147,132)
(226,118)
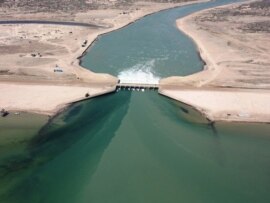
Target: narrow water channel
(139,146)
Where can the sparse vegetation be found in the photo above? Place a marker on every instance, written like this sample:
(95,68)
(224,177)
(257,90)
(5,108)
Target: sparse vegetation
(69,5)
(254,9)
(263,26)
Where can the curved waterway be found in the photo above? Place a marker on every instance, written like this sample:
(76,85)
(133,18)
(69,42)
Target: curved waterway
(149,49)
(139,146)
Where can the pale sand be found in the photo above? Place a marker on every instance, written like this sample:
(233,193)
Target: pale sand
(243,105)
(62,45)
(235,59)
(45,99)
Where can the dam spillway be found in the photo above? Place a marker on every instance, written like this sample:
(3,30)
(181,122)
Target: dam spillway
(136,86)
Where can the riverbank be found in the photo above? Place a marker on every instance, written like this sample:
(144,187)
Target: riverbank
(233,42)
(40,69)
(46,99)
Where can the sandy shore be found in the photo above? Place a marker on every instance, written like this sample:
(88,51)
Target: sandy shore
(233,40)
(46,99)
(225,104)
(39,66)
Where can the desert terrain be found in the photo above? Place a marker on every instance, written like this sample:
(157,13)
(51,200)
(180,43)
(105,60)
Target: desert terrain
(233,40)
(47,55)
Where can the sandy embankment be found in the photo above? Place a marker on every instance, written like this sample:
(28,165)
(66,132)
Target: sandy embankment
(235,84)
(28,82)
(56,99)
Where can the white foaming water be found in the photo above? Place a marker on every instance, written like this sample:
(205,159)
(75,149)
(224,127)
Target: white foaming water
(140,73)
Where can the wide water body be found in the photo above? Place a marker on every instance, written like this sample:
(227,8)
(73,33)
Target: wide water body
(140,147)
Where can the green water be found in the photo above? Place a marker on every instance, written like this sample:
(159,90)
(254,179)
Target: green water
(134,147)
(137,146)
(16,131)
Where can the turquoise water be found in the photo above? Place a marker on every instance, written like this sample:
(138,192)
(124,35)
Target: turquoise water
(134,147)
(139,147)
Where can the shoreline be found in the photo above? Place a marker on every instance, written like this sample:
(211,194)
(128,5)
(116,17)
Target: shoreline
(187,96)
(51,105)
(205,88)
(86,75)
